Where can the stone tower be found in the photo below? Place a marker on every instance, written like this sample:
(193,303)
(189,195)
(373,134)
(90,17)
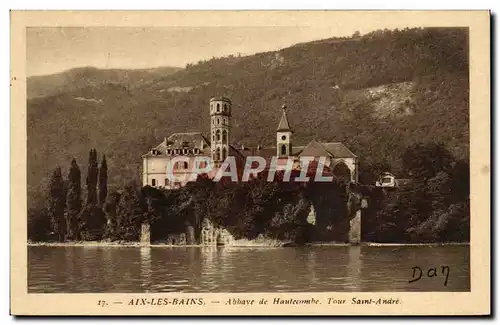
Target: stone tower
(284,136)
(220,127)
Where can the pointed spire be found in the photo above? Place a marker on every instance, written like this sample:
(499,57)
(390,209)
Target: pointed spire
(284,125)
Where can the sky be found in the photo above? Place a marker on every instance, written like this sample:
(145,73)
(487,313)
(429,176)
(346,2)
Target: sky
(55,49)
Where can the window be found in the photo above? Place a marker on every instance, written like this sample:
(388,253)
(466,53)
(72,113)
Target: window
(166,181)
(218,121)
(185,165)
(217,135)
(283,150)
(224,135)
(153,182)
(386,180)
(217,155)
(283,137)
(224,153)
(218,107)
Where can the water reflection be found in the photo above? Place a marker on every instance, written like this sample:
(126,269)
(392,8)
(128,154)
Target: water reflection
(354,266)
(230,269)
(146,269)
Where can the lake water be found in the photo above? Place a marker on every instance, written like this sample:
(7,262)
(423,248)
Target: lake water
(228,269)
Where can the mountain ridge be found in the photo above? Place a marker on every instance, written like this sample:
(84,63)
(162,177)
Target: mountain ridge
(80,77)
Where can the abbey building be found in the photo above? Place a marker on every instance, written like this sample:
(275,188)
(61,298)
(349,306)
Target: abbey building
(217,146)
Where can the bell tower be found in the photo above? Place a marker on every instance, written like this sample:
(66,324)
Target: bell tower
(284,136)
(220,127)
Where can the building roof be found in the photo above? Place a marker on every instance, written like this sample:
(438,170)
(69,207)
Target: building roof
(183,140)
(187,139)
(338,150)
(220,98)
(331,149)
(296,150)
(264,152)
(314,149)
(284,125)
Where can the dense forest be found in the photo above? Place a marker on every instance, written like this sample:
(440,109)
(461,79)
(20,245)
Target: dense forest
(378,93)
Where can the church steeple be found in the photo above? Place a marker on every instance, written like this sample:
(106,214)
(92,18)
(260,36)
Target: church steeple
(284,125)
(284,136)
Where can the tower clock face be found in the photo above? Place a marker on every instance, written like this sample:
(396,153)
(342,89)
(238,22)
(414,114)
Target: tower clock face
(283,137)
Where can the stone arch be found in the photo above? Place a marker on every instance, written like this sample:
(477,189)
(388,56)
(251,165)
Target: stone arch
(217,154)
(342,171)
(224,153)
(283,149)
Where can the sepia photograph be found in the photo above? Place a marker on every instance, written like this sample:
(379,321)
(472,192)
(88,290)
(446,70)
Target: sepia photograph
(259,158)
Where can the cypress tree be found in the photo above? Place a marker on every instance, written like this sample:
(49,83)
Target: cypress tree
(103,181)
(91,218)
(56,204)
(73,200)
(92,178)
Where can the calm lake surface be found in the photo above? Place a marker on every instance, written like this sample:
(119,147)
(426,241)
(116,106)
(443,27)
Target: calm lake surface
(228,269)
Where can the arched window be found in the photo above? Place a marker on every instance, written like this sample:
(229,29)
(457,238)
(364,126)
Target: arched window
(217,135)
(217,154)
(153,182)
(342,171)
(218,107)
(224,153)
(185,165)
(283,149)
(218,121)
(224,135)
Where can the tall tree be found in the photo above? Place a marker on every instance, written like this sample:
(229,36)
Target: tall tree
(92,178)
(73,201)
(56,204)
(103,181)
(130,213)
